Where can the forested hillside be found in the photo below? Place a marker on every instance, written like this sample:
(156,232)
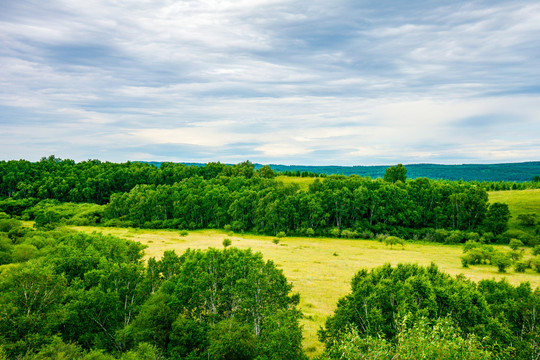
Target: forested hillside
(505,172)
(518,172)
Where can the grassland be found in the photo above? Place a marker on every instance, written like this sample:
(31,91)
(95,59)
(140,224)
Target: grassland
(320,269)
(519,202)
(302,182)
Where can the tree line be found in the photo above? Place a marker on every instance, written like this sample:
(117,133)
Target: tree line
(94,181)
(336,203)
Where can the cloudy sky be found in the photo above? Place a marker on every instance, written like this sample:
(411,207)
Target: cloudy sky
(343,82)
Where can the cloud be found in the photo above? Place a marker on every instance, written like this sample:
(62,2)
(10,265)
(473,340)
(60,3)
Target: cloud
(281,81)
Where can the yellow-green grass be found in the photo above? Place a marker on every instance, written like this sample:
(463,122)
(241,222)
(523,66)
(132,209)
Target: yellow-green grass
(320,269)
(303,182)
(519,202)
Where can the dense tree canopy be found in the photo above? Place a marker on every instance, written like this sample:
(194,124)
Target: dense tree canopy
(501,314)
(268,206)
(85,295)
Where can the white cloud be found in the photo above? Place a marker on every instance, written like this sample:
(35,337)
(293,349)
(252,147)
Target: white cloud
(279,80)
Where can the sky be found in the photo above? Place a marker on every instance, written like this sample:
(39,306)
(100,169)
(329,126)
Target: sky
(310,82)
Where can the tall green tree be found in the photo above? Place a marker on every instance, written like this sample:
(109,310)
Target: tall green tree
(235,297)
(497,217)
(395,173)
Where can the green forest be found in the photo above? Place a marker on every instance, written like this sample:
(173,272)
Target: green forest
(70,295)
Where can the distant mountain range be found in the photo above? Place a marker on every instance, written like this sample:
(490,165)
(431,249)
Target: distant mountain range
(518,172)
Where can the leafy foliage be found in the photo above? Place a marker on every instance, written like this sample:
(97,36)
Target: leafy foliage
(496,311)
(395,173)
(92,297)
(421,340)
(236,298)
(335,206)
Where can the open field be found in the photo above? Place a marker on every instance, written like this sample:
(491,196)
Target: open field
(303,182)
(519,202)
(319,268)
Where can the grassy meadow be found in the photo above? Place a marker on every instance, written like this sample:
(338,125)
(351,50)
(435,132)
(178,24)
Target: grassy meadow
(519,202)
(320,269)
(302,182)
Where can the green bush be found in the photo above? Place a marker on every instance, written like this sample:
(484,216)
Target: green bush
(527,219)
(496,312)
(535,263)
(334,232)
(420,340)
(521,266)
(521,235)
(348,234)
(8,224)
(515,244)
(24,252)
(502,261)
(477,253)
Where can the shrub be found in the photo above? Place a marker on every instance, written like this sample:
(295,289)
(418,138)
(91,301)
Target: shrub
(477,253)
(7,224)
(24,252)
(381,237)
(367,235)
(275,241)
(348,234)
(472,236)
(521,235)
(515,244)
(487,237)
(334,232)
(502,261)
(515,255)
(455,237)
(535,263)
(227,242)
(281,234)
(438,235)
(521,266)
(421,340)
(527,219)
